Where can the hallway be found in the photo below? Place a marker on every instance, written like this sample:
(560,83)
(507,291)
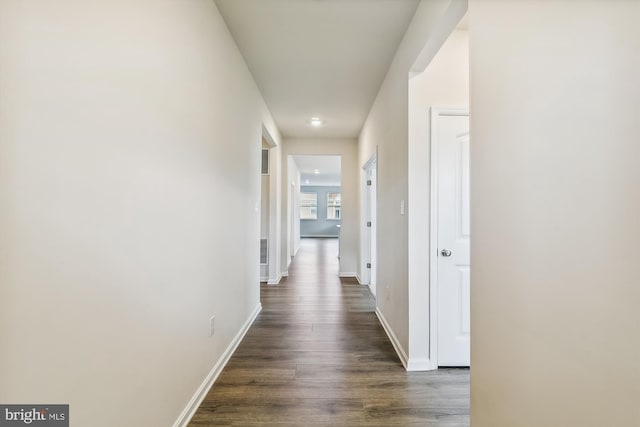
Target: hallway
(317,356)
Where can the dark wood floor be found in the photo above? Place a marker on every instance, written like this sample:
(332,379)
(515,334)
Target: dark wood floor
(317,356)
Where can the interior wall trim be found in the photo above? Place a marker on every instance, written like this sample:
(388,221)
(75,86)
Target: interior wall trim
(392,337)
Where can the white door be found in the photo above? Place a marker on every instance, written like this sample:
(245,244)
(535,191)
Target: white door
(371,223)
(373,250)
(454,323)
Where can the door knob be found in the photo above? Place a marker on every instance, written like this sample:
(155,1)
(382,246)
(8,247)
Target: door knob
(445,252)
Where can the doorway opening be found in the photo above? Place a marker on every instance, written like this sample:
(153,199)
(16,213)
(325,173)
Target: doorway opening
(269,209)
(265,214)
(315,199)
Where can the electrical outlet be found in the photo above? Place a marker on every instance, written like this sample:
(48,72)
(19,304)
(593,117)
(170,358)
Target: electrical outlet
(212,326)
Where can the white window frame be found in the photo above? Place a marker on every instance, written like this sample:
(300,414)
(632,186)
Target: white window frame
(337,207)
(313,209)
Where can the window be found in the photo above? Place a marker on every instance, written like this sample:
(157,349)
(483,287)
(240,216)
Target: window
(333,205)
(308,205)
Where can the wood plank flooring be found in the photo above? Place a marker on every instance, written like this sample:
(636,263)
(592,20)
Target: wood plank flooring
(317,356)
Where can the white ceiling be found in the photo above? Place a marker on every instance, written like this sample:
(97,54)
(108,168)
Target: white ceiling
(329,169)
(318,58)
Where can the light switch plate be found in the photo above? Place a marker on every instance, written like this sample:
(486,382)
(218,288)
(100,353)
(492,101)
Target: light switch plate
(212,326)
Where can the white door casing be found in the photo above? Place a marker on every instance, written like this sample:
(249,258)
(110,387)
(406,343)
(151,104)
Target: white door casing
(450,237)
(370,224)
(365,235)
(373,250)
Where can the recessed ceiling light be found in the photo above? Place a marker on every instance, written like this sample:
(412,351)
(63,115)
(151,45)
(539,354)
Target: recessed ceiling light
(316,121)
(306,181)
(316,171)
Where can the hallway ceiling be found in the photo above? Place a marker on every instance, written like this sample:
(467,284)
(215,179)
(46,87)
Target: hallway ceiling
(318,58)
(328,169)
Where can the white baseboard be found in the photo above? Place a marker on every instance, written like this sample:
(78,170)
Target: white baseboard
(211,378)
(264,279)
(371,290)
(392,337)
(358,278)
(348,274)
(275,282)
(415,364)
(284,273)
(410,364)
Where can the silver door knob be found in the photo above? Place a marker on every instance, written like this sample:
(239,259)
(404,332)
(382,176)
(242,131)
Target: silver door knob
(445,252)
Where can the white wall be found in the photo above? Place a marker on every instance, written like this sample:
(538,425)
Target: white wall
(387,128)
(348,149)
(126,128)
(555,207)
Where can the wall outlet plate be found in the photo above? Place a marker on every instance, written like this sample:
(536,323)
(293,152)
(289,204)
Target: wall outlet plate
(212,326)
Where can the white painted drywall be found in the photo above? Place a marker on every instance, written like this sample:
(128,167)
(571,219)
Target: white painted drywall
(130,138)
(348,149)
(555,213)
(387,129)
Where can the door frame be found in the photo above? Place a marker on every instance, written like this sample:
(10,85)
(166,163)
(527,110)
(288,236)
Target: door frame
(367,196)
(435,113)
(273,270)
